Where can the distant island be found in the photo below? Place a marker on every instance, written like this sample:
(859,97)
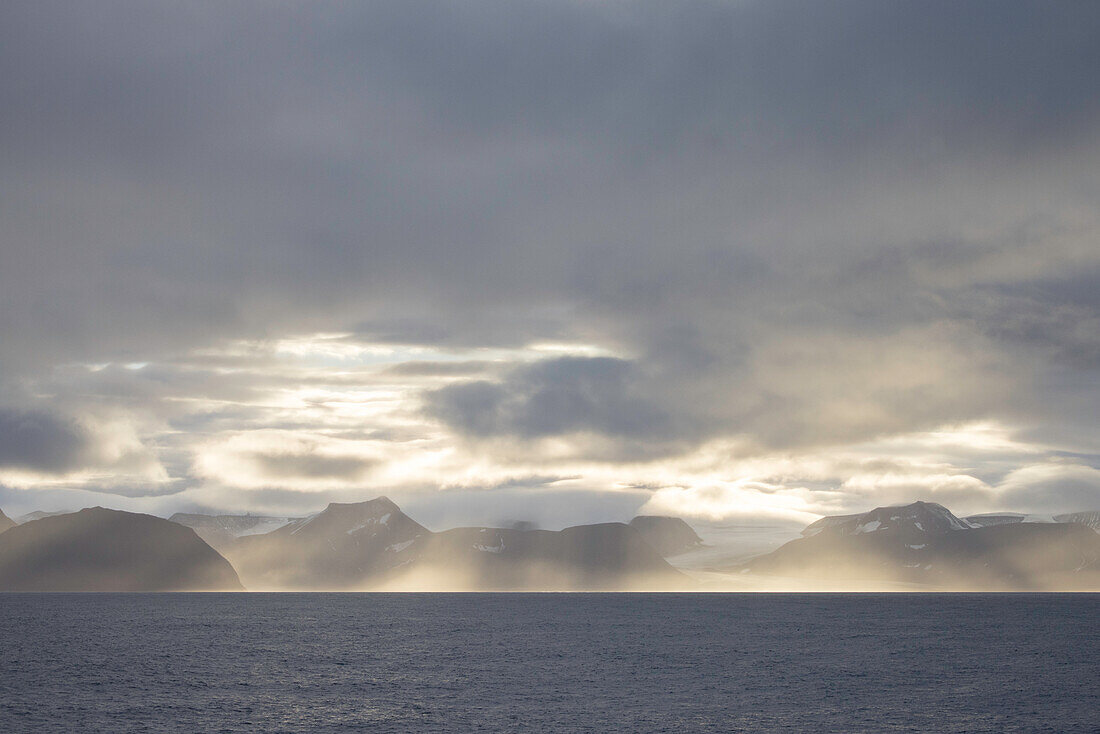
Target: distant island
(374,545)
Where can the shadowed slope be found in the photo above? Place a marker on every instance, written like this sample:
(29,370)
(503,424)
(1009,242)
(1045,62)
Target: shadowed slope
(604,556)
(108,550)
(669,535)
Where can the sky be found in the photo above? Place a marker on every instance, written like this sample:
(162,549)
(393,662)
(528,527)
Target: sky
(557,262)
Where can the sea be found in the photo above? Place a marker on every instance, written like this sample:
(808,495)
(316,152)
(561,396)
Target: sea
(550,662)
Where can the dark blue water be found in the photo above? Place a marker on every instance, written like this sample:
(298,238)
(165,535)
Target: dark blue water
(549,662)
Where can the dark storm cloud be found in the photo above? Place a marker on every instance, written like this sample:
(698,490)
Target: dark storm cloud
(42,442)
(801,222)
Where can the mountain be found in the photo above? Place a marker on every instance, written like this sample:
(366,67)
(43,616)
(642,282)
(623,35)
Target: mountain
(38,515)
(108,550)
(606,556)
(669,535)
(924,544)
(1089,519)
(5,522)
(919,517)
(989,519)
(374,544)
(340,547)
(219,531)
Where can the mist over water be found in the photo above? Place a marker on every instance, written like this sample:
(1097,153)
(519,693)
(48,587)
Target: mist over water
(537,662)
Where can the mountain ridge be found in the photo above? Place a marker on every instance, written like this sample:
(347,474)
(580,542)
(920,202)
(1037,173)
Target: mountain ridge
(924,544)
(374,544)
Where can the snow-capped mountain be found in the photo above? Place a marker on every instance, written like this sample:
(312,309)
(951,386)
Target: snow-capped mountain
(918,517)
(221,530)
(1090,519)
(339,547)
(924,543)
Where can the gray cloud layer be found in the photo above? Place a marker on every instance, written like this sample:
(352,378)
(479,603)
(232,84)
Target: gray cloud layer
(554,397)
(41,441)
(802,223)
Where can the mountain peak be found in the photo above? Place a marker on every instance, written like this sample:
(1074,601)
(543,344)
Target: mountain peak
(378,504)
(918,517)
(354,515)
(334,548)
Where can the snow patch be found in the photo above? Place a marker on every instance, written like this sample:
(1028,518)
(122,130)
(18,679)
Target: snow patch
(490,548)
(398,547)
(868,527)
(305,522)
(370,521)
(265,526)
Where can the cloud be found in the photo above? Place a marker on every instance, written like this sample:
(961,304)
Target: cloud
(743,499)
(42,442)
(309,466)
(1051,487)
(778,227)
(584,163)
(440,369)
(567,396)
(39,446)
(268,459)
